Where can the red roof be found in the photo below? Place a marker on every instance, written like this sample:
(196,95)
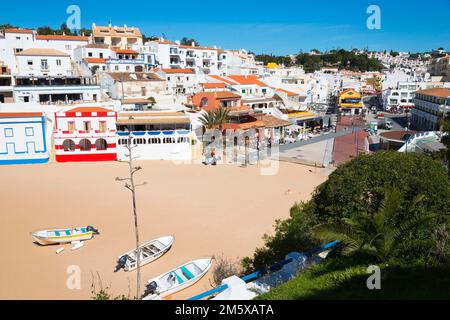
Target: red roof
(222,79)
(89,109)
(211,85)
(94,60)
(247,80)
(349,146)
(13,30)
(177,70)
(289,93)
(124,51)
(20,114)
(61,37)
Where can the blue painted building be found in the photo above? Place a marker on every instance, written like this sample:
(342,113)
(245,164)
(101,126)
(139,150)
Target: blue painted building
(23,138)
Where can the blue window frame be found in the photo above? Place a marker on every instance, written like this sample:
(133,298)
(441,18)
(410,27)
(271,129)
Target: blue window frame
(9,133)
(29,131)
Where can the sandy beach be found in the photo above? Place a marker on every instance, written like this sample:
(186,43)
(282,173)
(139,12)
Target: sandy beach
(210,211)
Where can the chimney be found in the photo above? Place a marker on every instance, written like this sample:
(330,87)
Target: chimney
(177,42)
(193,43)
(93,25)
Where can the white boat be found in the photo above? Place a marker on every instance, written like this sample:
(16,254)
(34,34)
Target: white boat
(149,251)
(54,236)
(177,279)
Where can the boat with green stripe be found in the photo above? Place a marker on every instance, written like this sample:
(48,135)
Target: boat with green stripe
(177,279)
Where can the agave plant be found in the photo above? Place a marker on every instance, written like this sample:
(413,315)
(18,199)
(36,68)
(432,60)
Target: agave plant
(378,234)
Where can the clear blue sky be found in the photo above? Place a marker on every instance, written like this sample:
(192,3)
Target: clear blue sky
(278,27)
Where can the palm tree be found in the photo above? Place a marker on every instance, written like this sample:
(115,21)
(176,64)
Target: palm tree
(221,115)
(208,120)
(378,234)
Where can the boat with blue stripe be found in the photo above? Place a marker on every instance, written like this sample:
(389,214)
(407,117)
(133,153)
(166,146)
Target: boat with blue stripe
(55,236)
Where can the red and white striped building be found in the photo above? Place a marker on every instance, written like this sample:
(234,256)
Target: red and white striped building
(85,134)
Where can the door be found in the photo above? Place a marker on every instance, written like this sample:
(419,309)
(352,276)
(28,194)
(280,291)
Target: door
(31,148)
(11,148)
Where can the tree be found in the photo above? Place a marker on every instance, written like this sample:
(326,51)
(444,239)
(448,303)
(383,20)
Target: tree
(381,233)
(208,120)
(359,188)
(152,101)
(188,41)
(94,70)
(7,26)
(220,117)
(130,185)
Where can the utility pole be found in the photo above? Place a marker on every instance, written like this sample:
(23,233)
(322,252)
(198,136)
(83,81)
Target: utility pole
(130,185)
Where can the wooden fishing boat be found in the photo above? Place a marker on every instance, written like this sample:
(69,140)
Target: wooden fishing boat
(149,251)
(177,279)
(55,236)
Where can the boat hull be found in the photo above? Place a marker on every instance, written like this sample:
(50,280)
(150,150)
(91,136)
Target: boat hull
(182,286)
(44,240)
(166,241)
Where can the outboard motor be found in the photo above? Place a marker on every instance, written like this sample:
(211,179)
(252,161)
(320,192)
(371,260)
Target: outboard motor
(121,263)
(91,228)
(151,288)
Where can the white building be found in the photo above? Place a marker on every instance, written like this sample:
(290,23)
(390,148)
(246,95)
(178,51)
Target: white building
(173,55)
(123,85)
(156,135)
(85,134)
(43,62)
(430,106)
(116,37)
(179,81)
(13,41)
(24,138)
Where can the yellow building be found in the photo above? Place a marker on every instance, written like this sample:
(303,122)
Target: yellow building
(350,102)
(272,65)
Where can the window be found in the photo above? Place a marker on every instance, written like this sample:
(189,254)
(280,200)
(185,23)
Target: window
(85,145)
(204,102)
(9,133)
(123,141)
(139,141)
(116,68)
(101,55)
(44,64)
(29,131)
(30,62)
(58,62)
(87,126)
(68,47)
(71,126)
(68,145)
(89,54)
(101,144)
(154,141)
(102,126)
(169,140)
(183,140)
(17,50)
